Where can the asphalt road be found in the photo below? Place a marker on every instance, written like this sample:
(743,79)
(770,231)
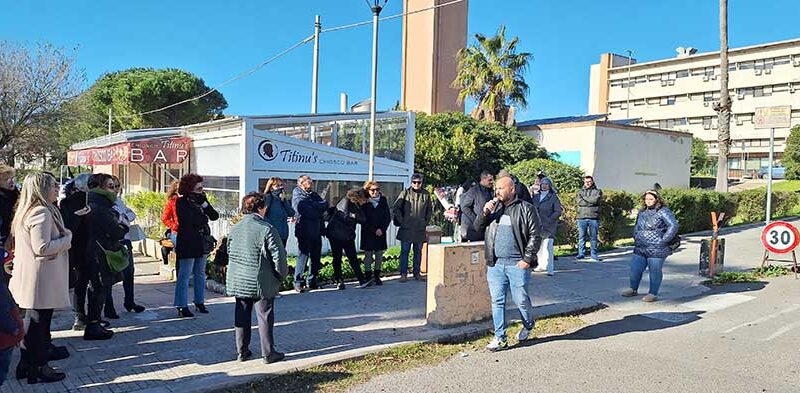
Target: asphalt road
(743,339)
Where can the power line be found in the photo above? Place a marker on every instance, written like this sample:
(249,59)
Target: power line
(281,54)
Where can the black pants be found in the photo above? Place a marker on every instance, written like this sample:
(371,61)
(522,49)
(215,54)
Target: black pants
(349,248)
(127,281)
(310,250)
(36,345)
(265,313)
(89,285)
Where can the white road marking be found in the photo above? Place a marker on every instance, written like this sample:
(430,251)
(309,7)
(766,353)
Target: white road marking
(764,319)
(783,331)
(717,302)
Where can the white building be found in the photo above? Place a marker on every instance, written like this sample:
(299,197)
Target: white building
(618,155)
(238,155)
(679,93)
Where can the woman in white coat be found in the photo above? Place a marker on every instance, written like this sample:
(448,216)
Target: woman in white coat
(40,278)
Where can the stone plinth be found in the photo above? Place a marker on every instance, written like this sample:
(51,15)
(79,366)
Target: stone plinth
(457,290)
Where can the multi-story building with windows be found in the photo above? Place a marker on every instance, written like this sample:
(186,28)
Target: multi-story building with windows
(679,94)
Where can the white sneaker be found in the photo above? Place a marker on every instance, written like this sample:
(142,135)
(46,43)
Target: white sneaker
(523,334)
(497,344)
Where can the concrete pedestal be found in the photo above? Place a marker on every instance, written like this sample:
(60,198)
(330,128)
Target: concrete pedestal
(457,290)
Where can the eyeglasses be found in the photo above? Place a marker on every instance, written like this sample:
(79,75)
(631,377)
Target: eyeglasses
(374,189)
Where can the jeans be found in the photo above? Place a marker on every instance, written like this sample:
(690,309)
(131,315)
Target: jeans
(195,267)
(505,275)
(5,362)
(545,256)
(349,248)
(36,344)
(405,247)
(265,314)
(310,249)
(587,225)
(638,264)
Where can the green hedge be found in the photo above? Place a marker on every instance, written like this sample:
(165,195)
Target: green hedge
(566,178)
(751,205)
(693,207)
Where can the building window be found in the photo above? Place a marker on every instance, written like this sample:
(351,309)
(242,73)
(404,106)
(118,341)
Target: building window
(654,77)
(782,60)
(667,100)
(780,88)
(639,102)
(747,65)
(682,74)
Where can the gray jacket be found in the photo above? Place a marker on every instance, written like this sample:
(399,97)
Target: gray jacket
(589,200)
(412,212)
(550,210)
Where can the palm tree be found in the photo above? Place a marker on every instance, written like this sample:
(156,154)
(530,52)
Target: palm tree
(723,107)
(491,73)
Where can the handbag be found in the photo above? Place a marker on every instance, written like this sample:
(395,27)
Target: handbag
(675,243)
(209,243)
(118,260)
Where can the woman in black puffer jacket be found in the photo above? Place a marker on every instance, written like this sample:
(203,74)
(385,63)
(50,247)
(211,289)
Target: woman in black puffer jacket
(654,232)
(341,232)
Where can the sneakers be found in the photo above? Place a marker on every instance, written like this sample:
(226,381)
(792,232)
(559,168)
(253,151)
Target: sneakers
(579,257)
(523,334)
(629,292)
(403,278)
(299,288)
(497,344)
(367,283)
(274,357)
(245,356)
(340,286)
(649,298)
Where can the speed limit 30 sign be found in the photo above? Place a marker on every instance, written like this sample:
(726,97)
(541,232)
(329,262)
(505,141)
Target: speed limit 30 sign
(780,237)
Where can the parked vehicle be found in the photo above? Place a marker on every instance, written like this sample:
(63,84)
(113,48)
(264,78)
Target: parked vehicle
(778,172)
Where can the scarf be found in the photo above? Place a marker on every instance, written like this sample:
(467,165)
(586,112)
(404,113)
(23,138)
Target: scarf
(111,196)
(375,201)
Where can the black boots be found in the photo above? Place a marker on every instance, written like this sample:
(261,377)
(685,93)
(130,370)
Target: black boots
(377,278)
(134,307)
(183,312)
(44,374)
(201,308)
(94,331)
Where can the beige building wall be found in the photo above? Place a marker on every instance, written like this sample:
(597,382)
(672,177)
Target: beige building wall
(679,94)
(431,41)
(621,157)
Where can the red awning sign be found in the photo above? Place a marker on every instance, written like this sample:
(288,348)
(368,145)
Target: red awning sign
(148,151)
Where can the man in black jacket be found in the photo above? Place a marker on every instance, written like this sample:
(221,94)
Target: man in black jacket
(513,235)
(472,203)
(589,200)
(309,207)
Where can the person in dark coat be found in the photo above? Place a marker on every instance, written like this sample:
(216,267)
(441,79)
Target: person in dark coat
(309,208)
(472,204)
(341,233)
(8,201)
(192,248)
(412,211)
(377,218)
(279,209)
(653,232)
(103,231)
(74,209)
(256,268)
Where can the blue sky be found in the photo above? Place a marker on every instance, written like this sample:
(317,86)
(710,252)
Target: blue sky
(217,40)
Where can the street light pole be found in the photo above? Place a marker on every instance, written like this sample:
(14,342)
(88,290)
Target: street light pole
(315,72)
(376,11)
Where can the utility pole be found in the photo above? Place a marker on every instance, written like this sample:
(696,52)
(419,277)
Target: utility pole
(376,11)
(628,101)
(109,120)
(315,72)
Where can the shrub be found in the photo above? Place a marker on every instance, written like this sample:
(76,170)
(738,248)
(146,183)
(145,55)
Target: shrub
(692,208)
(148,207)
(566,178)
(752,204)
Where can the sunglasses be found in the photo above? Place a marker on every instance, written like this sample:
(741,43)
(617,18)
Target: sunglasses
(375,189)
(416,182)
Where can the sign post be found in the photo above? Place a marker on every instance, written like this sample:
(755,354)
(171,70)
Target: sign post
(780,237)
(772,117)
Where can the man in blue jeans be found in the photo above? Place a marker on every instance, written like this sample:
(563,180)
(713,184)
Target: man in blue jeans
(589,199)
(412,212)
(512,238)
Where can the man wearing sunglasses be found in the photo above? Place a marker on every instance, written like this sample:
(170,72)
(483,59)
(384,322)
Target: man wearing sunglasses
(412,212)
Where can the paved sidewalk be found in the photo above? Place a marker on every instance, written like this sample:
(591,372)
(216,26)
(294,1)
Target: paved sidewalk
(156,352)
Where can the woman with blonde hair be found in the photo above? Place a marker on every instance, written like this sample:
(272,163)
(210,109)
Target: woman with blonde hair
(279,208)
(373,230)
(41,271)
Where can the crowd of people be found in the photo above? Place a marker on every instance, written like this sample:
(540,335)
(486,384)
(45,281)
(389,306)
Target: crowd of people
(69,252)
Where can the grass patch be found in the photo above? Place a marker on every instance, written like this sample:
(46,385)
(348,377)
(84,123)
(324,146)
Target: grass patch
(786,185)
(755,275)
(344,375)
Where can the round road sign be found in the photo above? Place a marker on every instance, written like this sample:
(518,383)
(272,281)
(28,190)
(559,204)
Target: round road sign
(780,237)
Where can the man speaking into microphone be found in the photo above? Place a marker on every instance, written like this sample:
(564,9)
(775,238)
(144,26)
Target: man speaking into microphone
(512,237)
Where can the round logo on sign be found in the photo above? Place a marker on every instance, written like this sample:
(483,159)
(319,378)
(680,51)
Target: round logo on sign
(267,150)
(780,237)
